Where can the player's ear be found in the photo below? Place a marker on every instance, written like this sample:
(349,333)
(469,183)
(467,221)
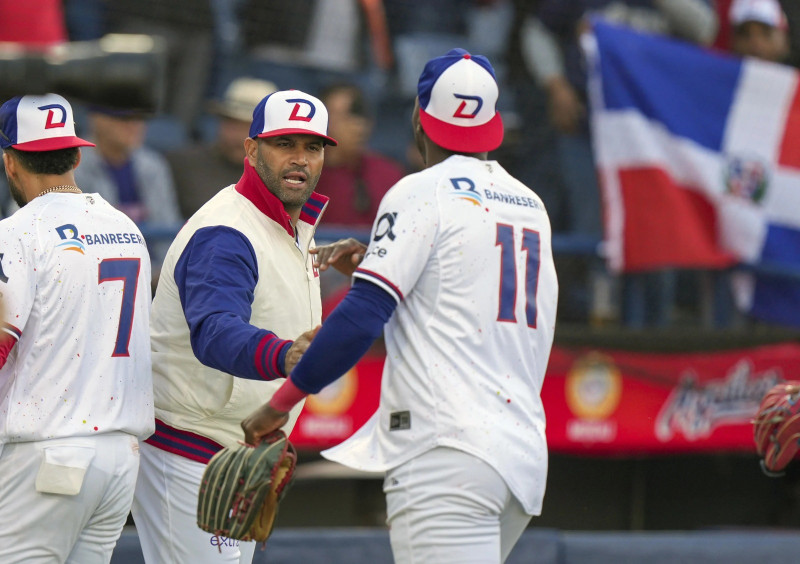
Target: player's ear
(251,150)
(78,160)
(9,163)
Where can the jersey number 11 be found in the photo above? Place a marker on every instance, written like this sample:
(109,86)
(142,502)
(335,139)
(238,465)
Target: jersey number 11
(509,277)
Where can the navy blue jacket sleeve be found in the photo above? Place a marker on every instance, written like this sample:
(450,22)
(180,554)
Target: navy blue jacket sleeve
(216,277)
(345,336)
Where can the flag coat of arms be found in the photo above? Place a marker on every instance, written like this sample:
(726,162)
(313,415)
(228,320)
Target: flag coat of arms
(698,154)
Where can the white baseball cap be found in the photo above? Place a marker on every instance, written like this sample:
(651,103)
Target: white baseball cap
(290,112)
(38,123)
(241,96)
(768,12)
(458,102)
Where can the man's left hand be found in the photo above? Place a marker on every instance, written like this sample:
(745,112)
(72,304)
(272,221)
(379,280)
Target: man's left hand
(262,422)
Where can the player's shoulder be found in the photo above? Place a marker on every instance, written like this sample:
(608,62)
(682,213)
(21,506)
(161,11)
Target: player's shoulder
(423,181)
(16,222)
(25,220)
(90,211)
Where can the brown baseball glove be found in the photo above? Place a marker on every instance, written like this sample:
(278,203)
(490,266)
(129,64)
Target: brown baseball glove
(776,427)
(241,488)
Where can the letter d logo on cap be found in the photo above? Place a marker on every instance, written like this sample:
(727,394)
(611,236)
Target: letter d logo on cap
(50,124)
(297,102)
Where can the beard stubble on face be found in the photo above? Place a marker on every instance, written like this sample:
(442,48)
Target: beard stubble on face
(291,199)
(16,193)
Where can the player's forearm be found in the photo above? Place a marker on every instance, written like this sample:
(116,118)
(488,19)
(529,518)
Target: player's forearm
(216,277)
(344,338)
(225,342)
(287,396)
(541,52)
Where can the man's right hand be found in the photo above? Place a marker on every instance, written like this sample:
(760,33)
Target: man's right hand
(297,348)
(344,255)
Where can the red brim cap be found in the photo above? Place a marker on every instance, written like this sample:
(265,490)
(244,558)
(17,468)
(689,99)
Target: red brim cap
(476,139)
(298,131)
(53,144)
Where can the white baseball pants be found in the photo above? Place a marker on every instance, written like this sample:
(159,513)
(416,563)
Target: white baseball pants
(65,500)
(165,512)
(447,506)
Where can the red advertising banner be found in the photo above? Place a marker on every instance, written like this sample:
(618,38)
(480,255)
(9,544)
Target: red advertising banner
(341,408)
(614,402)
(604,401)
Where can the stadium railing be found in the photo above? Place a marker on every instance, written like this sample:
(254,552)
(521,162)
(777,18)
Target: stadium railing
(716,302)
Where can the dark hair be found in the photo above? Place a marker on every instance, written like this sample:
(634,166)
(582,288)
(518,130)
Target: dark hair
(59,161)
(359,105)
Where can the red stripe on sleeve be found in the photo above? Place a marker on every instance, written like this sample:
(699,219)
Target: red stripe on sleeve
(260,354)
(7,343)
(268,354)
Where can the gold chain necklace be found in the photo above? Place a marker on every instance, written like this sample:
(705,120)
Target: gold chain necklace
(60,188)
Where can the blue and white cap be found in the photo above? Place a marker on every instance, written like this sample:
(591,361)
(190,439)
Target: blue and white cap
(458,103)
(290,112)
(38,123)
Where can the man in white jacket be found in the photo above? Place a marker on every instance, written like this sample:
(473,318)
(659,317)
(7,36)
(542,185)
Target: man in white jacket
(236,286)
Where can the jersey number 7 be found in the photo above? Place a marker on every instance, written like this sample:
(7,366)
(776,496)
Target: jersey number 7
(126,270)
(509,277)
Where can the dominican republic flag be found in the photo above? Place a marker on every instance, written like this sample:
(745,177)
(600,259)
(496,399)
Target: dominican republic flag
(698,154)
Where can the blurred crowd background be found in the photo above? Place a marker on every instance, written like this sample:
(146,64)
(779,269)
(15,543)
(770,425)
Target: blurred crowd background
(363,57)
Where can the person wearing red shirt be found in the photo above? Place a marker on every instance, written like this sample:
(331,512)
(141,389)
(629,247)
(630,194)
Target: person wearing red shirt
(355,178)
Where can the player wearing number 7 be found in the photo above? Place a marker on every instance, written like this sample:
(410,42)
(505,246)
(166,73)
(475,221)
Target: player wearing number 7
(459,272)
(76,388)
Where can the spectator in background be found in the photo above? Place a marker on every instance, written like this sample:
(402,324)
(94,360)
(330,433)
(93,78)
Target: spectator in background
(130,176)
(202,170)
(188,29)
(552,51)
(355,178)
(310,43)
(34,26)
(759,29)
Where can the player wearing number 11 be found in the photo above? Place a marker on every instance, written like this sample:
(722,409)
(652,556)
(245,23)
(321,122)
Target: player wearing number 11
(460,272)
(76,389)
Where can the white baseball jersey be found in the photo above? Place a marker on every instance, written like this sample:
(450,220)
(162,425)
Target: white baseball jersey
(466,250)
(75,282)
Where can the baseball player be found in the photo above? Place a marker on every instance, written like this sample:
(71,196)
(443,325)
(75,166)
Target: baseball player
(236,287)
(75,381)
(460,272)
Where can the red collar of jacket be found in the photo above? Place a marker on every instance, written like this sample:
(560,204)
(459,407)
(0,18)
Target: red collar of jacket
(253,188)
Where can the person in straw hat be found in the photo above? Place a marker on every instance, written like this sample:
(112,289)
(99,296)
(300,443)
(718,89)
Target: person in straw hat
(201,170)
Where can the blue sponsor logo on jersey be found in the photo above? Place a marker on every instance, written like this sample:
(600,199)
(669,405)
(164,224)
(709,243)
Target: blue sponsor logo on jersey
(220,541)
(464,189)
(3,277)
(71,239)
(385,227)
(114,238)
(524,201)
